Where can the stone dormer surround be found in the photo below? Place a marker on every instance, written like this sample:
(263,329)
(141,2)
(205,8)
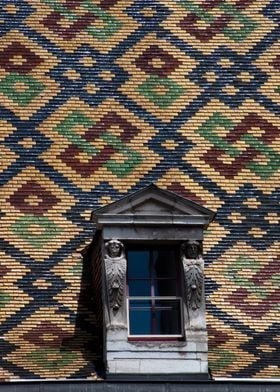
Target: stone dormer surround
(155,217)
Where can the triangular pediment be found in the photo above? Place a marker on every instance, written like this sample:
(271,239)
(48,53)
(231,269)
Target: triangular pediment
(152,206)
(153,202)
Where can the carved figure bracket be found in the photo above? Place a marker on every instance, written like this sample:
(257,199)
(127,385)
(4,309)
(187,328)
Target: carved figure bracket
(192,262)
(115,268)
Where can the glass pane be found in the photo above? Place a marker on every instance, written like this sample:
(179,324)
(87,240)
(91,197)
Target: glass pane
(168,317)
(138,264)
(166,287)
(139,287)
(155,317)
(140,317)
(165,263)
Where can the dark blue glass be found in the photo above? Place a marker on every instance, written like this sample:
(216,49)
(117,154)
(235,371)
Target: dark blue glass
(167,315)
(164,263)
(140,317)
(138,264)
(140,288)
(166,287)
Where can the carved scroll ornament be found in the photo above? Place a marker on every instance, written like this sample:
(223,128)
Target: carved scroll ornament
(193,273)
(115,266)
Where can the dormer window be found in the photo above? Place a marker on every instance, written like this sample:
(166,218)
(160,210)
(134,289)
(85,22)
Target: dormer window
(148,270)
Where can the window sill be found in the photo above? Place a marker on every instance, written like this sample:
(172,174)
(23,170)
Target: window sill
(155,339)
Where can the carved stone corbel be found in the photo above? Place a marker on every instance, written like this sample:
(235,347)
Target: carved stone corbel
(191,256)
(115,269)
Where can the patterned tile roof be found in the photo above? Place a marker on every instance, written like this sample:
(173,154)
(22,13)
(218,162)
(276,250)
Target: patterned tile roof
(102,97)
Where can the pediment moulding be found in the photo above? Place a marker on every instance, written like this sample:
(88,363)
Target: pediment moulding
(152,205)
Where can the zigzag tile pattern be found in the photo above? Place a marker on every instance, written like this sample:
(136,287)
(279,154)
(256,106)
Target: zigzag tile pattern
(102,97)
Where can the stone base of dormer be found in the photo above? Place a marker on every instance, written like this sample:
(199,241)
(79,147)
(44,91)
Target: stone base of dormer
(156,357)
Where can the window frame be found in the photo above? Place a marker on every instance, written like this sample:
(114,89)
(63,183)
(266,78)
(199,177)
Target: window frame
(152,246)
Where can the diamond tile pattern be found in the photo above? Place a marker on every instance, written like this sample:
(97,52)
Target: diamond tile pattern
(102,97)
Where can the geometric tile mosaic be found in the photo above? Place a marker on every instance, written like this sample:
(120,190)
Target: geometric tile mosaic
(164,88)
(70,270)
(270,88)
(238,25)
(248,285)
(10,273)
(85,22)
(238,145)
(30,201)
(24,84)
(224,355)
(10,157)
(39,341)
(95,143)
(100,98)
